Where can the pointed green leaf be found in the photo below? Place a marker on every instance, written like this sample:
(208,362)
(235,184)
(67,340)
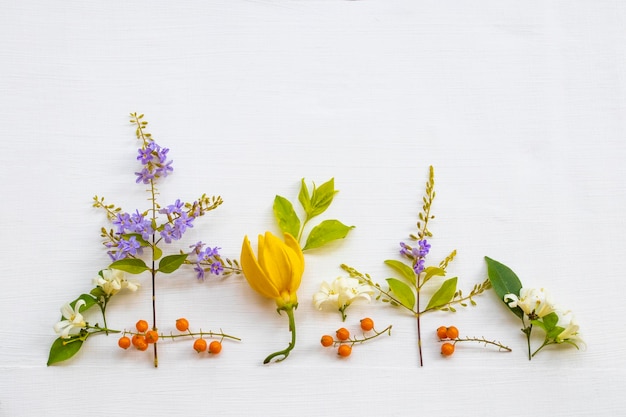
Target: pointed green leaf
(61,350)
(404,269)
(288,220)
(89,300)
(325,232)
(322,197)
(304,197)
(97,292)
(171,263)
(402,292)
(443,295)
(504,281)
(432,271)
(157,253)
(142,242)
(130,265)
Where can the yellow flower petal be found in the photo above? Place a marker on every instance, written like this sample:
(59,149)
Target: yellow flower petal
(253,272)
(275,261)
(297,262)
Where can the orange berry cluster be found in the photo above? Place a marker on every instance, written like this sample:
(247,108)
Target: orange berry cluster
(447,333)
(139,340)
(145,337)
(343,338)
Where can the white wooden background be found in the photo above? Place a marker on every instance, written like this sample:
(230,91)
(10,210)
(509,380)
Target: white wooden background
(519,106)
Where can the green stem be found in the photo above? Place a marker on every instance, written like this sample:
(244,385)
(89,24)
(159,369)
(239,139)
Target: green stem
(365,339)
(544,344)
(292,328)
(528,330)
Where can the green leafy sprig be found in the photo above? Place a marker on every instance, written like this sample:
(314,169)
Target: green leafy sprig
(145,246)
(534,308)
(314,203)
(405,290)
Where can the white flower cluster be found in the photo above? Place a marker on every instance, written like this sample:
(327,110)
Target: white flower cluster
(341,293)
(113,280)
(536,304)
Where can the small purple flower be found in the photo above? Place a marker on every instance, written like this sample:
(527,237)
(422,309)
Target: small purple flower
(196,248)
(161,153)
(406,249)
(144,176)
(176,208)
(145,156)
(419,266)
(122,221)
(170,233)
(164,169)
(216,268)
(199,272)
(129,246)
(183,222)
(209,252)
(424,247)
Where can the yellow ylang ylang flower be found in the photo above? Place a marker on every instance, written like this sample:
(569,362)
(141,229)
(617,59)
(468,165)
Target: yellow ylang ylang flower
(276,273)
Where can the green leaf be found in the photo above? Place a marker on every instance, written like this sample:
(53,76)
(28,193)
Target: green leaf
(288,220)
(304,197)
(432,271)
(325,232)
(402,292)
(171,263)
(61,350)
(97,292)
(157,252)
(404,269)
(131,265)
(443,295)
(504,281)
(142,242)
(321,198)
(89,302)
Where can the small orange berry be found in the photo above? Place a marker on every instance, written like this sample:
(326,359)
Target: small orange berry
(442,332)
(452,332)
(344,350)
(141,326)
(199,345)
(137,339)
(152,336)
(447,349)
(327,340)
(141,344)
(215,347)
(182,325)
(343,334)
(367,324)
(124,342)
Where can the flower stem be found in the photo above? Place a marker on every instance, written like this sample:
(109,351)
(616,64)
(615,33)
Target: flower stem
(483,340)
(365,339)
(292,328)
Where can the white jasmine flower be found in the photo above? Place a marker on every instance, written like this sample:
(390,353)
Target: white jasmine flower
(73,319)
(113,280)
(570,326)
(341,293)
(534,302)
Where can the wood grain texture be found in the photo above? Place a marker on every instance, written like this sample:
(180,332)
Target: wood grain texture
(518,105)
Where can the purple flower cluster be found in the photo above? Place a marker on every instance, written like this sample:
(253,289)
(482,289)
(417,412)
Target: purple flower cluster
(417,254)
(180,221)
(208,256)
(129,224)
(155,162)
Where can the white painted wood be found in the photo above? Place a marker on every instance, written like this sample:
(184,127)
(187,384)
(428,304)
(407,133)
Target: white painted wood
(518,105)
